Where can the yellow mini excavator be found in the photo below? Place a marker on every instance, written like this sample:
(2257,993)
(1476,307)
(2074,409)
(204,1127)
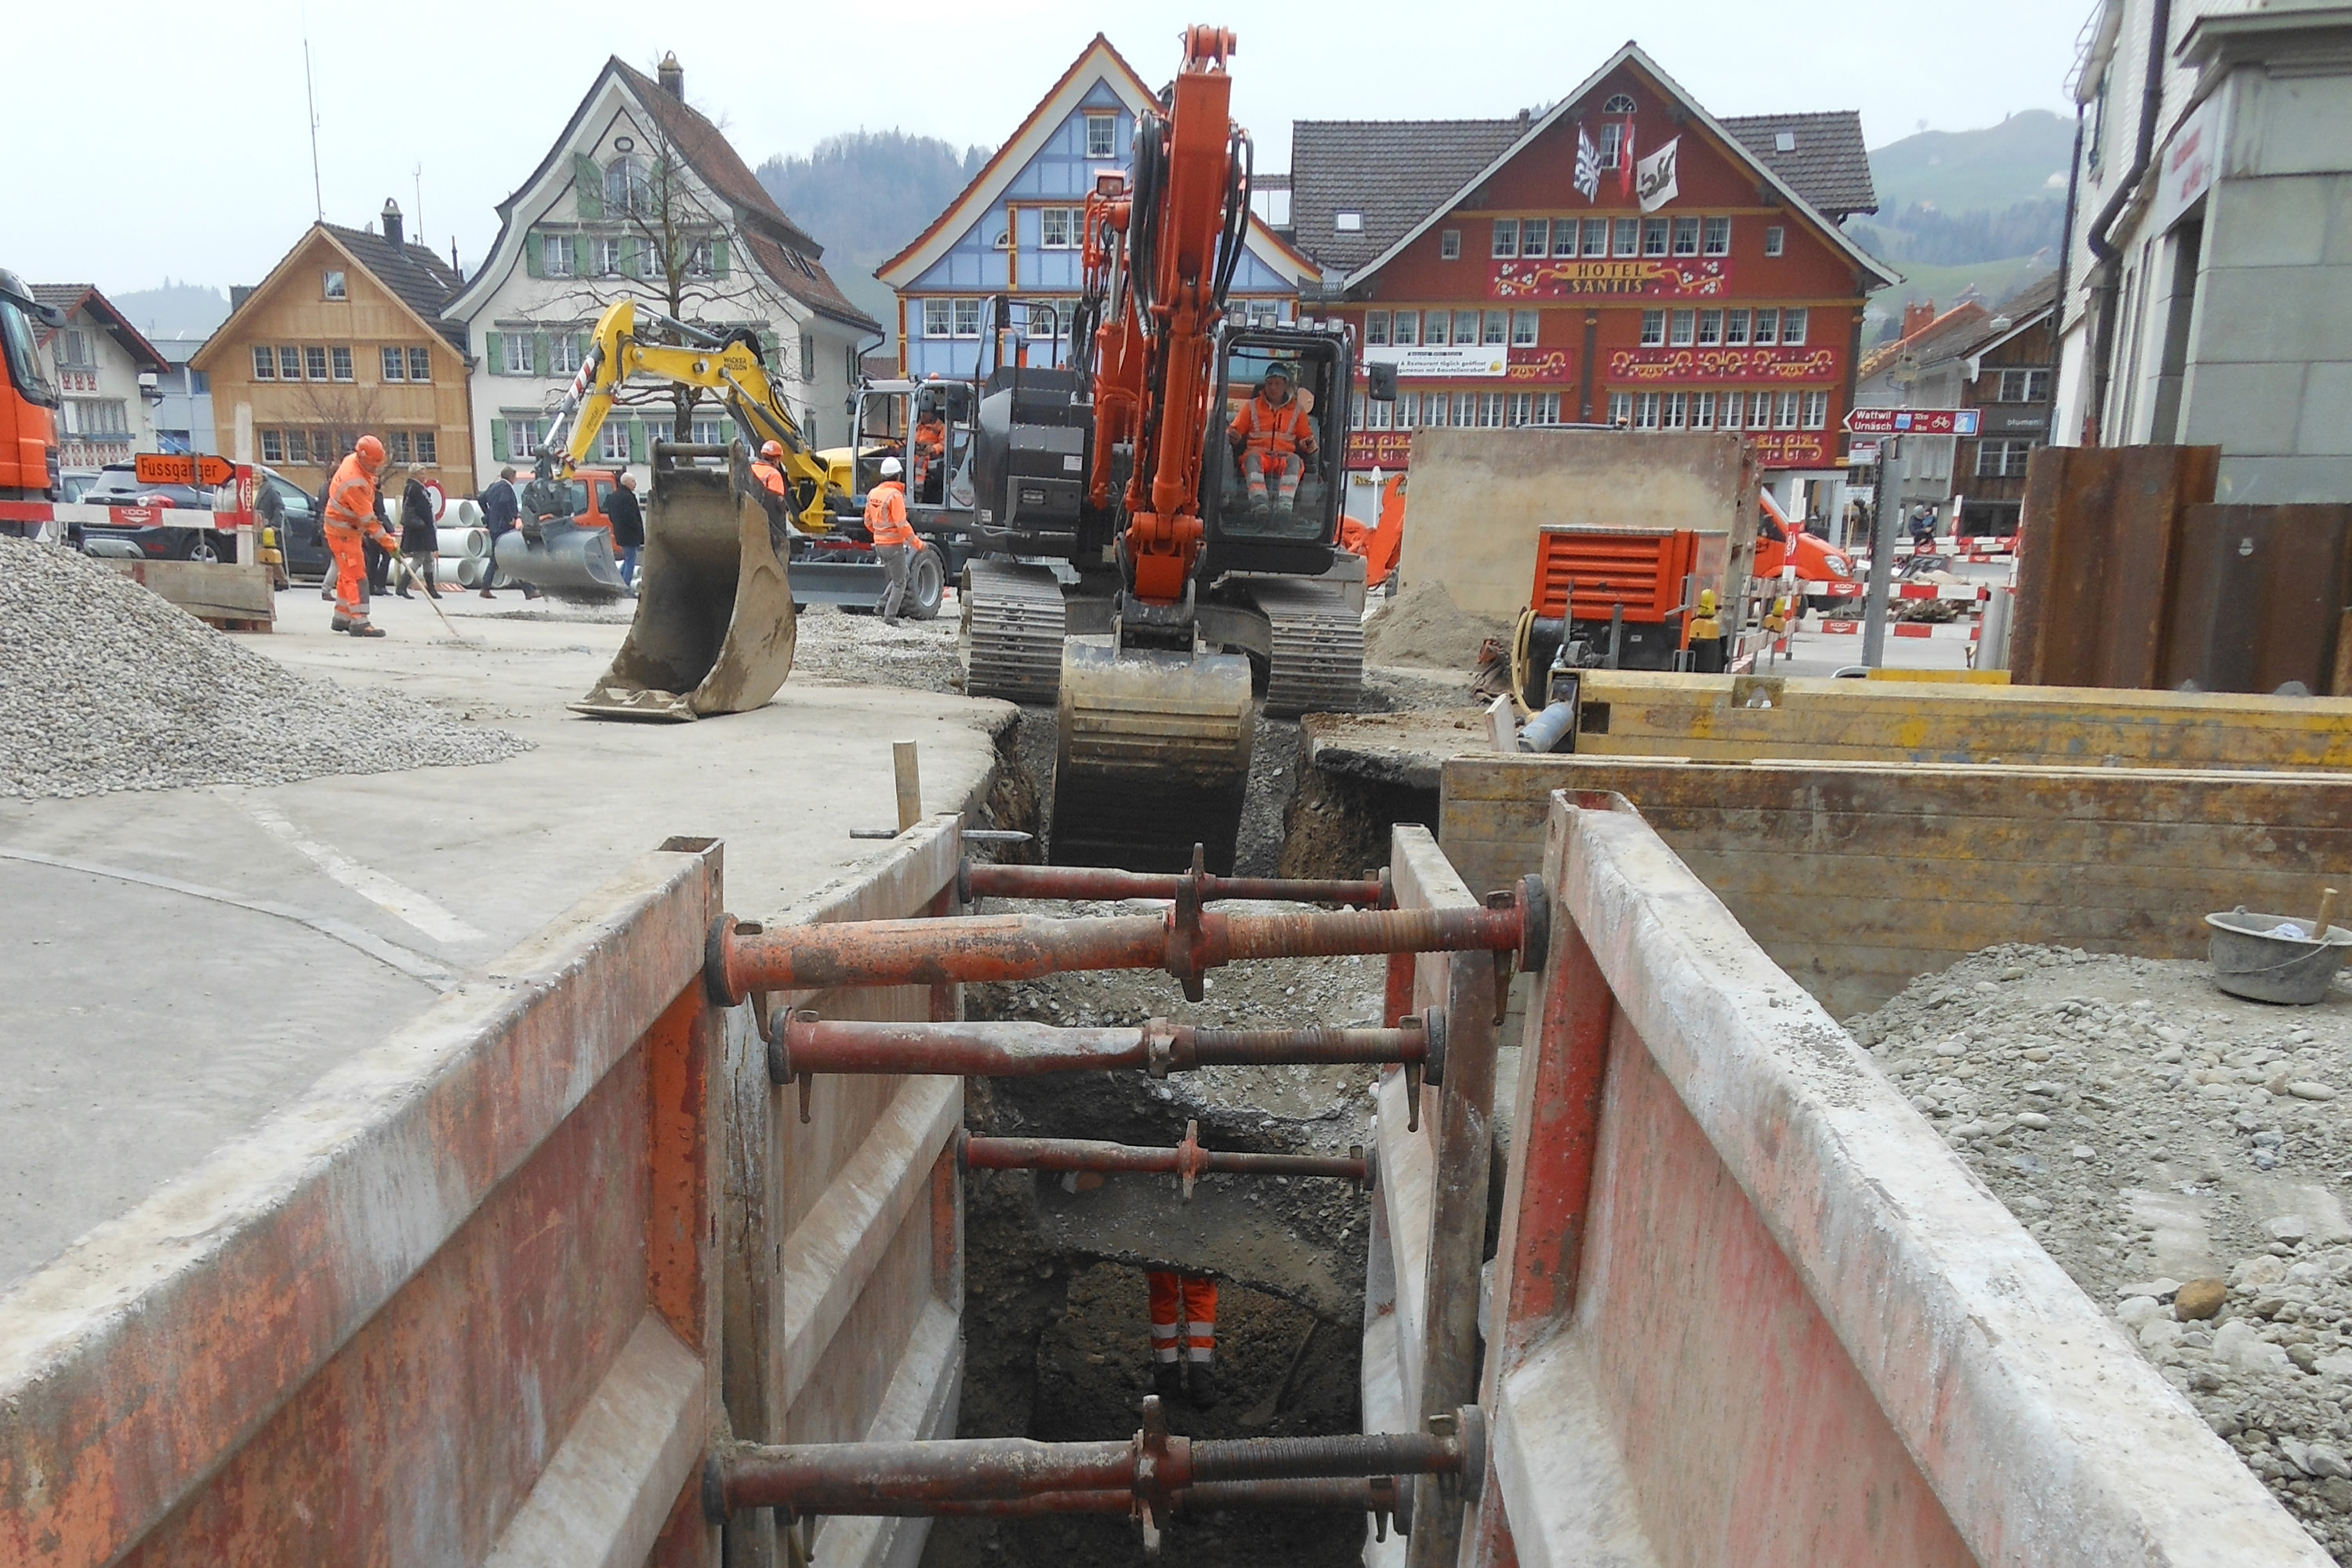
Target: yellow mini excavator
(714,627)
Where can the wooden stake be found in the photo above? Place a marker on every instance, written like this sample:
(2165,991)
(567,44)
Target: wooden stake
(2326,908)
(910,783)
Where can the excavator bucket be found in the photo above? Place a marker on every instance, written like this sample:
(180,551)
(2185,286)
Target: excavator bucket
(1154,756)
(714,629)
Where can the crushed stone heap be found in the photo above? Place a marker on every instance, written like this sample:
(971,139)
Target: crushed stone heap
(108,686)
(2184,1156)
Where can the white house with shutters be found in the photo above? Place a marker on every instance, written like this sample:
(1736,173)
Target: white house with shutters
(578,234)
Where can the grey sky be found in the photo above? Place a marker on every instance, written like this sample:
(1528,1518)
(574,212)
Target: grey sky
(177,146)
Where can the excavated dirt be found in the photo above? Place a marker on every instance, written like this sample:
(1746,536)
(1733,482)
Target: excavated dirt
(1424,628)
(2184,1155)
(1055,1324)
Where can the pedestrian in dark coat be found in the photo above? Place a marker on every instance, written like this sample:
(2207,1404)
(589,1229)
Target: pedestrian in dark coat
(628,526)
(500,507)
(420,538)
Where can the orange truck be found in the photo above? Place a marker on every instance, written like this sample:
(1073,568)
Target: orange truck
(1827,570)
(28,398)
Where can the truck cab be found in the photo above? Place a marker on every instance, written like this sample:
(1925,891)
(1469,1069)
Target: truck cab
(28,398)
(886,415)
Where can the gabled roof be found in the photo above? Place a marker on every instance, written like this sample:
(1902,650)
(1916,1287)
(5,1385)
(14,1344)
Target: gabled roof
(1827,163)
(410,273)
(2005,320)
(71,297)
(1097,58)
(1392,172)
(421,279)
(716,162)
(1934,342)
(1627,54)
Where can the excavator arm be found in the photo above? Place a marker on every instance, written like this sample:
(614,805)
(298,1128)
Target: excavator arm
(729,364)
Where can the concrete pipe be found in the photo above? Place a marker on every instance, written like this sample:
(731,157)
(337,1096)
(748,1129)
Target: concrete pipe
(455,542)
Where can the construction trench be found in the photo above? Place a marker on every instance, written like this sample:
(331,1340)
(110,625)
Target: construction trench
(1586,1229)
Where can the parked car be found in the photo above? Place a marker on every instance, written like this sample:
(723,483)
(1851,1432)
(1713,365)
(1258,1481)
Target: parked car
(301,531)
(75,482)
(143,529)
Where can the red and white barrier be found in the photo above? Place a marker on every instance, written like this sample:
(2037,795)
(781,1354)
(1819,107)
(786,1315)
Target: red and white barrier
(1948,631)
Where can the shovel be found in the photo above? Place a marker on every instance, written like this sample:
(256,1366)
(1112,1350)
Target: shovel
(408,570)
(1264,1411)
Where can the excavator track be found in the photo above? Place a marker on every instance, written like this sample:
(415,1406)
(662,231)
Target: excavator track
(1011,639)
(1318,649)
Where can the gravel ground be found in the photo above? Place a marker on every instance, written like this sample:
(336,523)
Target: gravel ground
(109,687)
(834,645)
(2183,1155)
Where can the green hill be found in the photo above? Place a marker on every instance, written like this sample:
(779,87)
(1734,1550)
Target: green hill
(2022,159)
(173,309)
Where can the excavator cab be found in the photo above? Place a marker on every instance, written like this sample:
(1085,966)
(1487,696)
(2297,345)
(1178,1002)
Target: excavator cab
(1280,523)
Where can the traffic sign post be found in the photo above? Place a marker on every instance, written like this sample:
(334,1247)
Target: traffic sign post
(1912,421)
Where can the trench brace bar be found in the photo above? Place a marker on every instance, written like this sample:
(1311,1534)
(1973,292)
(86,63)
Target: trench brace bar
(984,880)
(802,1044)
(1152,1471)
(1185,940)
(1187,1161)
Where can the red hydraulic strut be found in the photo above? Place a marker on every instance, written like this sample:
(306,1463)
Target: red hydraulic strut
(982,880)
(1187,1159)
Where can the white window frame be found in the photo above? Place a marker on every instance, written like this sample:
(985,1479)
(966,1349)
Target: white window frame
(555,255)
(1621,408)
(1702,413)
(289,362)
(1535,237)
(939,315)
(1493,409)
(563,355)
(1348,220)
(1547,408)
(1041,314)
(394,364)
(1612,140)
(1710,328)
(519,359)
(1766,333)
(1625,238)
(1682,329)
(1436,410)
(1789,410)
(1437,331)
(1731,411)
(1522,410)
(1408,411)
(1817,411)
(1685,237)
(710,432)
(523,437)
(1735,329)
(1527,326)
(1449,245)
(1793,322)
(273,447)
(333,284)
(395,447)
(1657,234)
(1506,247)
(1050,220)
(1495,329)
(1776,239)
(428,448)
(420,366)
(966,308)
(1674,410)
(1653,328)
(265,363)
(1376,329)
(613,442)
(1107,146)
(1645,411)
(1716,238)
(1405,329)
(314,361)
(1595,243)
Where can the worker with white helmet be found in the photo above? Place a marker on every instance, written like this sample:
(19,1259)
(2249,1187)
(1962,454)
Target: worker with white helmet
(894,540)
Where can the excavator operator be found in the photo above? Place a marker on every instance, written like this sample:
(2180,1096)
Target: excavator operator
(351,519)
(1273,434)
(930,443)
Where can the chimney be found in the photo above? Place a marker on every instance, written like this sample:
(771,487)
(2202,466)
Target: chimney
(391,220)
(672,77)
(1917,314)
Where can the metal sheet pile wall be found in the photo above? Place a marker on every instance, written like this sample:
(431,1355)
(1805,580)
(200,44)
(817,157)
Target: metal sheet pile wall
(1748,1308)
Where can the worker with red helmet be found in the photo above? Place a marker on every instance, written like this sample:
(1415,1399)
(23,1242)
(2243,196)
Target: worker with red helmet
(894,538)
(352,518)
(1273,434)
(768,474)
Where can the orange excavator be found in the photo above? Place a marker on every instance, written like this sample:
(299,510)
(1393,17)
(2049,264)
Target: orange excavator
(1189,567)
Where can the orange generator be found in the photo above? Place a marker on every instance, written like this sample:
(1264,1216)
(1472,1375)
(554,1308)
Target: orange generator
(1629,589)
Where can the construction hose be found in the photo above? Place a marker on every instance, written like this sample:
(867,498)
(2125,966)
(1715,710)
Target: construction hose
(1520,636)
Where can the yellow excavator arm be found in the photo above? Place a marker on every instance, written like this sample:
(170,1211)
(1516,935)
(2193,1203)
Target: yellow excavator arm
(729,364)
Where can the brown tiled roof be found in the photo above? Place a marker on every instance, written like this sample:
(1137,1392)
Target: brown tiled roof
(1828,166)
(2035,299)
(1956,325)
(71,297)
(423,280)
(1393,171)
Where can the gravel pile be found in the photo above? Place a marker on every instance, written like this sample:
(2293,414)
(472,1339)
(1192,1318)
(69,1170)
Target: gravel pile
(834,645)
(111,688)
(2183,1155)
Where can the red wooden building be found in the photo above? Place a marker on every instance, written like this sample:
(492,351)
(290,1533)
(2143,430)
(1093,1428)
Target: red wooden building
(1695,279)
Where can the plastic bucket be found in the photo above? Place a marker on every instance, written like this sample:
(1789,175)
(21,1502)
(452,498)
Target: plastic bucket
(2252,959)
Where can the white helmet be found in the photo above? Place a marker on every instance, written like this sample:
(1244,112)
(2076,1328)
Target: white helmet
(890,469)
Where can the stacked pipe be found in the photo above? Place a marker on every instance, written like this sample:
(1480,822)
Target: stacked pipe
(464,557)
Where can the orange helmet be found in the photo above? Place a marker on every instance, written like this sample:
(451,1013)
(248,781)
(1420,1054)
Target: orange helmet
(370,451)
(771,449)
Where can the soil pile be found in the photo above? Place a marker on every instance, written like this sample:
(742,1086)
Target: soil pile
(1423,627)
(2184,1156)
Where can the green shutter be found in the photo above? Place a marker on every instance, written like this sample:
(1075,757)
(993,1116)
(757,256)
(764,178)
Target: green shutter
(498,440)
(768,350)
(719,259)
(494,350)
(636,440)
(580,347)
(539,359)
(587,186)
(632,250)
(580,243)
(534,256)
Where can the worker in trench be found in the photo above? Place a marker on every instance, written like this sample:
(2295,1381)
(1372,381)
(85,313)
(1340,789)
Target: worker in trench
(1183,1335)
(1273,434)
(352,518)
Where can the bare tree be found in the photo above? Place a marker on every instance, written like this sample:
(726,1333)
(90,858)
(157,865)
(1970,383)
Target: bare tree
(664,233)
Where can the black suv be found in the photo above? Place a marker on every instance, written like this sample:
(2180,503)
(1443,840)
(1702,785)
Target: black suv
(148,534)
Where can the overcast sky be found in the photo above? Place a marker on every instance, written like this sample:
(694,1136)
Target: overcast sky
(177,145)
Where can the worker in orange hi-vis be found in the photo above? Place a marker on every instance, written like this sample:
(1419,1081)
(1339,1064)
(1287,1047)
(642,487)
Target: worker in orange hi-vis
(1386,542)
(352,518)
(1272,435)
(1183,1317)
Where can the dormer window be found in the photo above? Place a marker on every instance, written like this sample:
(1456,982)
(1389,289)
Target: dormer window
(334,286)
(1348,220)
(1784,140)
(1102,135)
